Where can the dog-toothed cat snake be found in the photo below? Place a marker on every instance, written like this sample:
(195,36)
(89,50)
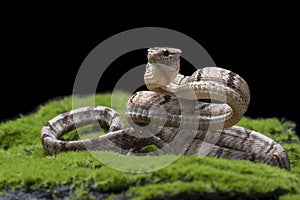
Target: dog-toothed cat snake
(175,116)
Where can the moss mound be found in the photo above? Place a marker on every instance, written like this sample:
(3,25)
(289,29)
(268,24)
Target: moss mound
(28,173)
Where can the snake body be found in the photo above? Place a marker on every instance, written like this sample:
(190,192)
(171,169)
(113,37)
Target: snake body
(175,116)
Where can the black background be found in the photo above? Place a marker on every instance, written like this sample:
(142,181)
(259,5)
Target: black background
(41,56)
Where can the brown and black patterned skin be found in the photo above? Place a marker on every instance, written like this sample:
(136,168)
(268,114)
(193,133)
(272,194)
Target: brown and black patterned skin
(173,117)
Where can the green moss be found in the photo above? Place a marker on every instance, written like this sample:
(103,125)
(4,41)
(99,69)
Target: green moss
(280,131)
(290,197)
(24,164)
(191,174)
(81,193)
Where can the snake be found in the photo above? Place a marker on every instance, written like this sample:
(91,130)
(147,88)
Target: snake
(182,115)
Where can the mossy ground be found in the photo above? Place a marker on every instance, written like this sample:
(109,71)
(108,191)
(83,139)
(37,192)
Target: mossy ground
(23,164)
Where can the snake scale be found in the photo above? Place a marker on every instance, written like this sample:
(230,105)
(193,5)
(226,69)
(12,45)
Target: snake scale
(180,114)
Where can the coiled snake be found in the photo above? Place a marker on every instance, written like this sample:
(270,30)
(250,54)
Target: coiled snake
(175,116)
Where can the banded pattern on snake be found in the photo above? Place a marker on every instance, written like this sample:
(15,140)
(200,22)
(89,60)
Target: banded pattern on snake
(175,116)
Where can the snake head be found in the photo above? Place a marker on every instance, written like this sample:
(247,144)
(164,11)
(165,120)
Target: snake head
(164,55)
(163,66)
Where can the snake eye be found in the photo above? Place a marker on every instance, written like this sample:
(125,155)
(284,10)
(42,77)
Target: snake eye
(166,53)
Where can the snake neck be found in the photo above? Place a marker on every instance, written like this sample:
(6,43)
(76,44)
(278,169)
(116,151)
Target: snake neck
(159,75)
